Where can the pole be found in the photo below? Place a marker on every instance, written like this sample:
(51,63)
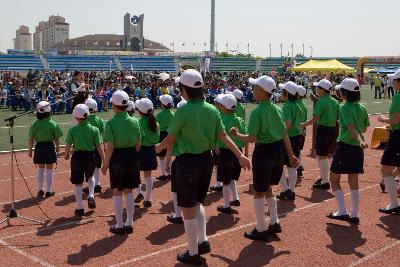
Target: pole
(270,51)
(303,51)
(281,49)
(248,49)
(212,33)
(292,50)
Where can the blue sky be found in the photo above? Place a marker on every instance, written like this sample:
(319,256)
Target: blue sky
(332,28)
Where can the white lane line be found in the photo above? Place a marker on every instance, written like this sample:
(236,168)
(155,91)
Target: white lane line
(18,200)
(25,254)
(33,176)
(159,252)
(26,126)
(374,254)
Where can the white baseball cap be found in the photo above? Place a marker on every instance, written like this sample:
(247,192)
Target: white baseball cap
(238,94)
(349,84)
(144,105)
(324,83)
(266,83)
(302,90)
(43,107)
(395,75)
(81,111)
(229,101)
(191,78)
(91,104)
(218,98)
(120,98)
(166,100)
(181,103)
(131,106)
(289,87)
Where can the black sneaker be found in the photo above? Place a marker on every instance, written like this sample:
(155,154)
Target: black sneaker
(235,203)
(91,203)
(292,196)
(85,190)
(325,186)
(147,204)
(390,211)
(300,171)
(139,198)
(186,258)
(344,217)
(317,182)
(172,219)
(79,212)
(128,229)
(216,188)
(40,193)
(256,235)
(49,194)
(97,189)
(274,229)
(222,209)
(117,231)
(162,178)
(354,220)
(204,248)
(383,187)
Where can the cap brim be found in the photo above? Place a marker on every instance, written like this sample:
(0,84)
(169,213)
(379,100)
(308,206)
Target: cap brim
(392,76)
(281,86)
(337,87)
(177,80)
(253,81)
(315,84)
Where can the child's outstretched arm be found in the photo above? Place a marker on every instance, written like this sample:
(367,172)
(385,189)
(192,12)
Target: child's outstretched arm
(292,159)
(107,157)
(169,141)
(100,151)
(67,152)
(57,142)
(247,138)
(311,121)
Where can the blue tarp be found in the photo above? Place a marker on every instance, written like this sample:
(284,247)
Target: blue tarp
(385,70)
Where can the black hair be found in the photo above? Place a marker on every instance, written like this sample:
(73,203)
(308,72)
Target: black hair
(131,112)
(42,116)
(152,120)
(169,106)
(350,95)
(121,108)
(326,91)
(193,93)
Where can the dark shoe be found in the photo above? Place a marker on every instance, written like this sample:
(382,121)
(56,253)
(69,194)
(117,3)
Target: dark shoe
(354,220)
(49,194)
(97,189)
(40,193)
(128,229)
(186,258)
(390,211)
(235,203)
(204,248)
(274,229)
(117,231)
(222,209)
(344,217)
(256,235)
(139,198)
(79,212)
(91,203)
(317,182)
(325,186)
(147,204)
(287,195)
(176,220)
(85,190)
(383,187)
(216,188)
(162,178)
(300,171)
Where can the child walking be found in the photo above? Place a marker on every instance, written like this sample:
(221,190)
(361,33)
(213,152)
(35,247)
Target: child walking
(303,106)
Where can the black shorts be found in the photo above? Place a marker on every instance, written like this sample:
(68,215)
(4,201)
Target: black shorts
(229,167)
(147,159)
(45,153)
(193,177)
(325,137)
(82,166)
(124,169)
(163,135)
(268,161)
(215,158)
(302,142)
(296,143)
(97,159)
(173,175)
(391,156)
(348,159)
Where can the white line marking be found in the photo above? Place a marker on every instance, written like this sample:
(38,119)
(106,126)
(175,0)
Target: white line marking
(18,200)
(25,254)
(33,176)
(374,254)
(26,126)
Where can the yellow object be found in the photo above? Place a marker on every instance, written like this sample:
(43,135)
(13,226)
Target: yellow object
(379,135)
(323,66)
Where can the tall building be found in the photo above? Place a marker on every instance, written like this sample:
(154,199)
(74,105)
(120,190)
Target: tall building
(133,39)
(50,32)
(23,39)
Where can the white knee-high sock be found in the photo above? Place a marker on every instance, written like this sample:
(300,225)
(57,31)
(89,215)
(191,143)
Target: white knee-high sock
(91,186)
(300,161)
(292,173)
(178,210)
(259,208)
(40,174)
(201,224)
(355,202)
(162,166)
(391,187)
(139,190)
(130,209)
(149,188)
(118,210)
(226,195)
(339,196)
(191,236)
(324,170)
(78,197)
(284,182)
(234,191)
(219,184)
(273,210)
(96,176)
(49,180)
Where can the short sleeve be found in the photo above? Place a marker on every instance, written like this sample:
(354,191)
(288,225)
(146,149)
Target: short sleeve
(97,138)
(318,109)
(32,131)
(287,113)
(101,123)
(347,116)
(242,126)
(70,138)
(220,126)
(108,133)
(396,105)
(57,131)
(254,124)
(177,123)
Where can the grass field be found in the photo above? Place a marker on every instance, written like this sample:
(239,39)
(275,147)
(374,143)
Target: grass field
(22,124)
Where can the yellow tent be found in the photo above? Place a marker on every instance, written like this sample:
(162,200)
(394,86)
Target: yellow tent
(323,66)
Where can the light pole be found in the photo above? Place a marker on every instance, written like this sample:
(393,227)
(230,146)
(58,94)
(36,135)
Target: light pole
(303,51)
(270,51)
(212,34)
(312,50)
(248,49)
(281,49)
(292,50)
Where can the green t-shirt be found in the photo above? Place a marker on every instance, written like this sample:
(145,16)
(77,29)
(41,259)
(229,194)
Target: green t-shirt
(266,123)
(96,122)
(304,110)
(378,81)
(240,111)
(352,114)
(84,137)
(395,108)
(197,125)
(327,111)
(148,137)
(230,121)
(164,118)
(123,131)
(45,130)
(292,113)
